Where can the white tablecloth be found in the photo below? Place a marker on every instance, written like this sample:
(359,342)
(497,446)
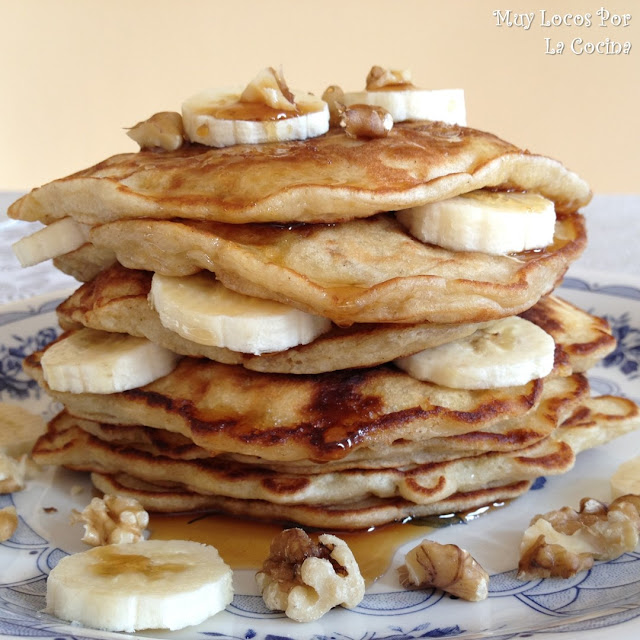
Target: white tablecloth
(613,223)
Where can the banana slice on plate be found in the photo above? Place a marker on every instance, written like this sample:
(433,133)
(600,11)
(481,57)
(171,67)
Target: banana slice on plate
(203,310)
(265,111)
(393,90)
(92,361)
(154,584)
(56,239)
(626,479)
(493,222)
(507,353)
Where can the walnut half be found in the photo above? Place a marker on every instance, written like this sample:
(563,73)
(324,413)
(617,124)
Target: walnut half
(162,130)
(563,542)
(112,520)
(366,121)
(446,567)
(305,580)
(380,78)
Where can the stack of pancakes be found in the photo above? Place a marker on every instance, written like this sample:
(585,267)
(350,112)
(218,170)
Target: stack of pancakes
(329,434)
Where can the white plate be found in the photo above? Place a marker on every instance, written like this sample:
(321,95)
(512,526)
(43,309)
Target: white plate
(596,604)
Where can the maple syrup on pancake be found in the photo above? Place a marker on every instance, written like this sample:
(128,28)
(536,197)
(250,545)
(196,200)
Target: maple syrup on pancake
(244,544)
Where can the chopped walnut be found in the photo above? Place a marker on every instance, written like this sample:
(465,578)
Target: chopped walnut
(112,520)
(269,88)
(12,473)
(8,523)
(305,580)
(366,121)
(446,567)
(379,78)
(564,542)
(162,130)
(334,97)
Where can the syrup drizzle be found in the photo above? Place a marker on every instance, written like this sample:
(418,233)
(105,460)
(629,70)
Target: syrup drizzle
(244,544)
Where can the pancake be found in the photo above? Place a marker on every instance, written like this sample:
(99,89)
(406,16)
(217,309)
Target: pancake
(85,263)
(359,515)
(597,421)
(368,270)
(76,450)
(116,301)
(560,399)
(326,179)
(291,417)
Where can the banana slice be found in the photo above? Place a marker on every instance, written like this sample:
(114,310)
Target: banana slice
(393,91)
(485,221)
(446,105)
(56,239)
(626,479)
(19,429)
(265,111)
(154,584)
(92,361)
(203,310)
(507,353)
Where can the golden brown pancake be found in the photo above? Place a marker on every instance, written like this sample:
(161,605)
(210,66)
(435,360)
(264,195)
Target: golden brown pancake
(75,449)
(359,515)
(116,301)
(85,263)
(292,417)
(597,421)
(369,270)
(325,179)
(560,398)
(583,338)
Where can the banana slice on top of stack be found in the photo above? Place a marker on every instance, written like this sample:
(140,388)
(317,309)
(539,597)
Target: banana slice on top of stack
(393,91)
(265,111)
(317,301)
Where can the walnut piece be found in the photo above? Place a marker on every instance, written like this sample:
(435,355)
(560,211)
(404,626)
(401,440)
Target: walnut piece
(564,542)
(366,121)
(305,580)
(269,88)
(112,520)
(379,78)
(162,130)
(446,567)
(8,523)
(334,97)
(12,473)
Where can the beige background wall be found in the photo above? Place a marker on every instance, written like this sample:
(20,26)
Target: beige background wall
(74,73)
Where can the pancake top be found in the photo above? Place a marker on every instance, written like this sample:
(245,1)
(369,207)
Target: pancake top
(325,179)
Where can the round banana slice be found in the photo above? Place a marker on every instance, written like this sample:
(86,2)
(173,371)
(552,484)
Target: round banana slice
(92,361)
(56,239)
(154,584)
(493,222)
(446,105)
(507,353)
(626,479)
(203,310)
(265,111)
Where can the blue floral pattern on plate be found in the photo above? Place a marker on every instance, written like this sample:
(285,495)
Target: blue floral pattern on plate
(607,595)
